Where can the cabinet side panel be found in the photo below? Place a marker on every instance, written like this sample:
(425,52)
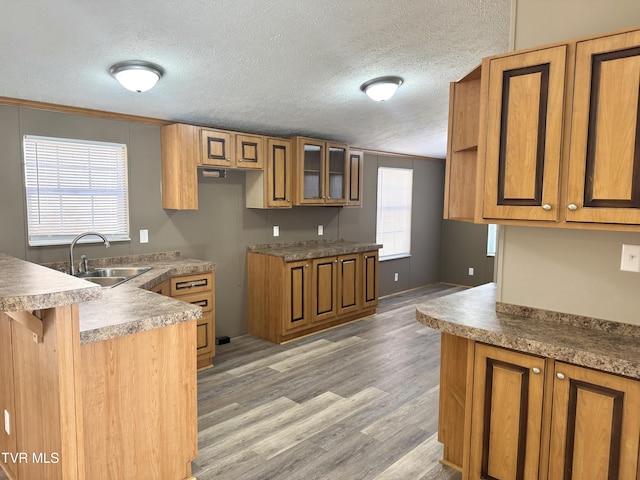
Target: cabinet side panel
(7,442)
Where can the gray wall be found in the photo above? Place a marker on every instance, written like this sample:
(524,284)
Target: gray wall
(464,245)
(222,228)
(573,271)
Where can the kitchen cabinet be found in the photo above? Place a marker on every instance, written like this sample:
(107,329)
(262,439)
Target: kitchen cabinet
(7,401)
(180,159)
(321,171)
(271,187)
(530,417)
(287,300)
(556,137)
(595,426)
(222,148)
(198,289)
(354,194)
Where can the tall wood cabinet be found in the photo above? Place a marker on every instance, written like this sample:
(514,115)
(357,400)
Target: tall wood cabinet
(291,299)
(510,415)
(557,137)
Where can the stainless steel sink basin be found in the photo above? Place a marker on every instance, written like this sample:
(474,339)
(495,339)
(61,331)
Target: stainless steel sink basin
(111,277)
(107,282)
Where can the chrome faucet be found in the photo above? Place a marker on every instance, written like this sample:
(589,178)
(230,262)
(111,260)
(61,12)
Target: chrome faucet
(73,244)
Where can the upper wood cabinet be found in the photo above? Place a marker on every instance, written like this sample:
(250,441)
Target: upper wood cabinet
(558,137)
(354,192)
(180,158)
(604,163)
(523,137)
(271,187)
(222,148)
(321,171)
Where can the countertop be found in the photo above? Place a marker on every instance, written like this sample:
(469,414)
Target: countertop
(296,251)
(603,345)
(104,313)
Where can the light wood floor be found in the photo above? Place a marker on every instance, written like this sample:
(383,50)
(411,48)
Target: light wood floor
(356,402)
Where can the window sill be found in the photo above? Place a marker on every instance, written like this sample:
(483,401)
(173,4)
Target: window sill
(395,257)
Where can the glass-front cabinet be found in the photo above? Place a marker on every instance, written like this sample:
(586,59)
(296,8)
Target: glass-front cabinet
(322,172)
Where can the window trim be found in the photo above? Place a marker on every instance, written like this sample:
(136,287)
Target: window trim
(394,255)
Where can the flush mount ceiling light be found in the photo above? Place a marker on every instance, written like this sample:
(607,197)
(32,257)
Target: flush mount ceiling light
(381,88)
(136,75)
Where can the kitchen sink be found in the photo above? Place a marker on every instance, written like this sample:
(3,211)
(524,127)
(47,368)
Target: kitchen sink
(111,277)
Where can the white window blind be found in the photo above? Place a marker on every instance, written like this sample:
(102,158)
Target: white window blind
(393,226)
(74,186)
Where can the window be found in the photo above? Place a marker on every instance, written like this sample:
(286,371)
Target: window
(74,186)
(393,226)
(492,232)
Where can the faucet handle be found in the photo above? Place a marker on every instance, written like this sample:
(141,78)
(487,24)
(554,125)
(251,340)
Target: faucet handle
(84,264)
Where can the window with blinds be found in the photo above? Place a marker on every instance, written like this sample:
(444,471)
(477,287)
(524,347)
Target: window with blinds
(74,186)
(393,226)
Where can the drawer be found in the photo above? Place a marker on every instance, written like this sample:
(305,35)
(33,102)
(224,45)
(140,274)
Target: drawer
(202,299)
(200,282)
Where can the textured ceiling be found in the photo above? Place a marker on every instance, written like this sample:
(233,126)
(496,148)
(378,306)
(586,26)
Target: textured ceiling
(280,67)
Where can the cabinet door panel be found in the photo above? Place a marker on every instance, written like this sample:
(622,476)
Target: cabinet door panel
(370,279)
(337,174)
(310,167)
(205,334)
(7,442)
(349,276)
(604,175)
(355,179)
(506,418)
(324,288)
(595,427)
(279,173)
(297,311)
(216,148)
(250,151)
(524,132)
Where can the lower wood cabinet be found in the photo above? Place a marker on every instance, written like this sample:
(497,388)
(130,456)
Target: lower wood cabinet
(529,417)
(291,299)
(198,289)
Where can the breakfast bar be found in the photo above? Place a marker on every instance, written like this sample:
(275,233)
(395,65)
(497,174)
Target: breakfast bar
(96,383)
(525,391)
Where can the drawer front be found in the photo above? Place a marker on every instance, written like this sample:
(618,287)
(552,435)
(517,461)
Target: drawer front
(188,284)
(201,299)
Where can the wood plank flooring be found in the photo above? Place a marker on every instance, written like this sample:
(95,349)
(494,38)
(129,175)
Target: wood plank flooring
(357,402)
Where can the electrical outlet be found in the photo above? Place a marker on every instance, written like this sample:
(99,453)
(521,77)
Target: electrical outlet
(471,271)
(7,423)
(320,230)
(276,231)
(395,277)
(630,260)
(144,236)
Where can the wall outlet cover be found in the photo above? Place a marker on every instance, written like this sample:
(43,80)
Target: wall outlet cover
(144,236)
(320,230)
(276,231)
(471,271)
(630,259)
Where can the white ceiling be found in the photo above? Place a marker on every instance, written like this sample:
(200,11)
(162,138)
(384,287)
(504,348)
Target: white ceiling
(280,67)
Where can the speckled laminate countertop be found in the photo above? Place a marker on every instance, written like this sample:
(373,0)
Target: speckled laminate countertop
(295,251)
(609,346)
(104,313)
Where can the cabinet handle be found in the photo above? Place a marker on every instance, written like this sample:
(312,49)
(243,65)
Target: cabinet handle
(573,207)
(546,207)
(536,370)
(560,376)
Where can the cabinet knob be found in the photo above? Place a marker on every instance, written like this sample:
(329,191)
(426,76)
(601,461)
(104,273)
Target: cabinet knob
(546,207)
(288,200)
(306,266)
(536,370)
(560,376)
(572,206)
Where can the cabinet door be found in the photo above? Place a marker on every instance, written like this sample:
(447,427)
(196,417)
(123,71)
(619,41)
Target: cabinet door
(297,297)
(216,148)
(249,151)
(604,168)
(278,173)
(323,289)
(349,283)
(370,279)
(336,174)
(524,133)
(205,335)
(354,195)
(7,402)
(595,425)
(180,159)
(310,166)
(506,416)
